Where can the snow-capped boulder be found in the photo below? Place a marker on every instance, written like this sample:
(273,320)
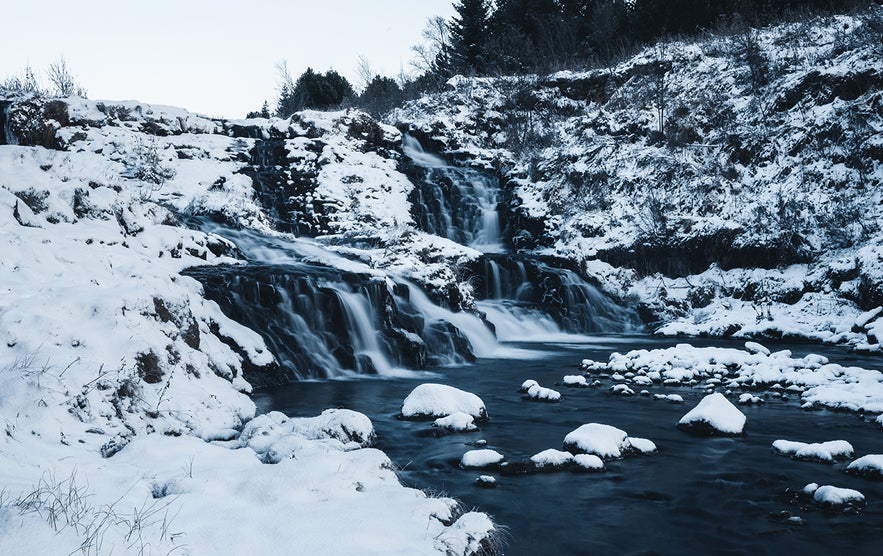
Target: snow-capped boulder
(749,399)
(542,394)
(826,452)
(574,381)
(869,467)
(485,481)
(754,347)
(526,385)
(670,398)
(642,445)
(430,401)
(456,422)
(714,416)
(588,462)
(604,441)
(481,459)
(835,498)
(552,460)
(621,390)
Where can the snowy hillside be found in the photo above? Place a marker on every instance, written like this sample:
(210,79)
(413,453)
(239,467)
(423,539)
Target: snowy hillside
(731,185)
(111,361)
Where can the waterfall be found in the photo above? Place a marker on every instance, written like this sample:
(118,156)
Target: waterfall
(455,202)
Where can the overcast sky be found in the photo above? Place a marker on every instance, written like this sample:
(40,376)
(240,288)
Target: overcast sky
(216,57)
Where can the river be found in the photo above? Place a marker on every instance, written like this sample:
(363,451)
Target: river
(695,496)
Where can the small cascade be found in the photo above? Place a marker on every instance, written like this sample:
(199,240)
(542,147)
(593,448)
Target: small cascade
(455,202)
(533,290)
(324,316)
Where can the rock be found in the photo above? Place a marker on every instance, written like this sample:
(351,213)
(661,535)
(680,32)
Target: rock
(835,498)
(481,459)
(575,381)
(825,452)
(440,400)
(869,467)
(539,393)
(552,460)
(754,347)
(605,442)
(456,422)
(485,481)
(714,416)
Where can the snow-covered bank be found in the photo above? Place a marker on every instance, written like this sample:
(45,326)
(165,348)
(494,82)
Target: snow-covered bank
(125,388)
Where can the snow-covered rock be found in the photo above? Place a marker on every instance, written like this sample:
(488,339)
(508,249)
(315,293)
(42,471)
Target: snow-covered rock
(826,452)
(869,466)
(573,381)
(540,393)
(485,481)
(836,498)
(481,459)
(714,415)
(605,442)
(456,422)
(588,462)
(551,459)
(622,390)
(747,398)
(440,400)
(671,398)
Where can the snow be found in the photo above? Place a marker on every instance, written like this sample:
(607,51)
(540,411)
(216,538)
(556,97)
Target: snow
(824,451)
(481,459)
(748,398)
(836,496)
(589,462)
(813,377)
(574,380)
(605,442)
(551,458)
(714,415)
(870,465)
(671,398)
(441,400)
(537,392)
(115,366)
(458,422)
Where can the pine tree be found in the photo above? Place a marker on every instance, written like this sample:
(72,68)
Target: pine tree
(469,31)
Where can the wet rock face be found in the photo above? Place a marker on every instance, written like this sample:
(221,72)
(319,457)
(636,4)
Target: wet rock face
(318,321)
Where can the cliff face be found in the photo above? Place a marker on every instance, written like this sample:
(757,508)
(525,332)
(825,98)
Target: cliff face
(731,185)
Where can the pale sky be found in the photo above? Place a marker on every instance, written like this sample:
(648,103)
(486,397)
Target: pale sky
(215,57)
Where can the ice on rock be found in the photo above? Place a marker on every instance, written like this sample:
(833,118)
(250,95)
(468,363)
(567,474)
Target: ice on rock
(440,400)
(457,422)
(714,416)
(605,442)
(869,467)
(826,452)
(481,459)
(551,459)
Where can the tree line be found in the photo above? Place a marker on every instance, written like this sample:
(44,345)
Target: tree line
(496,37)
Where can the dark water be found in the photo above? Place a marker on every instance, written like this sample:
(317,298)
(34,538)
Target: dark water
(696,496)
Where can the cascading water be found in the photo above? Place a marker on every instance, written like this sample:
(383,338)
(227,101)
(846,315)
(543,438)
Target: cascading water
(458,203)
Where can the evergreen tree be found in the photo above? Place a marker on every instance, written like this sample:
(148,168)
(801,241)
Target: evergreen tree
(469,35)
(313,90)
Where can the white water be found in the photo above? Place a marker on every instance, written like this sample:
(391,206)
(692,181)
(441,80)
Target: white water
(364,332)
(477,219)
(520,324)
(484,343)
